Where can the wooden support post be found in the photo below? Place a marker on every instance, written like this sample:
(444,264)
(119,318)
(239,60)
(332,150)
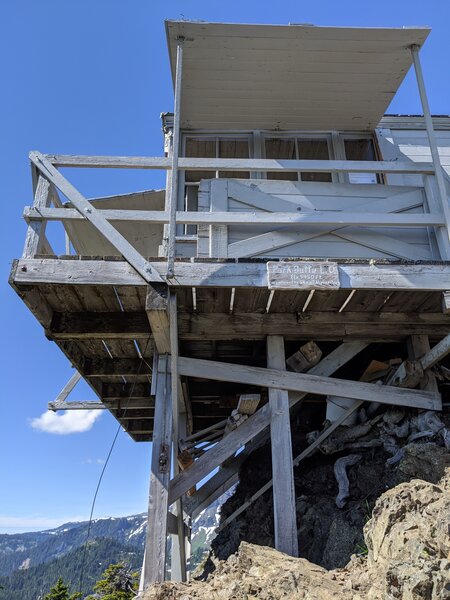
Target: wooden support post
(173,198)
(36,229)
(431,138)
(418,346)
(446,302)
(155,552)
(254,425)
(178,558)
(282,467)
(307,452)
(156,305)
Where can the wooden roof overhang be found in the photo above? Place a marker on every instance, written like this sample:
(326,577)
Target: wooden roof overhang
(238,76)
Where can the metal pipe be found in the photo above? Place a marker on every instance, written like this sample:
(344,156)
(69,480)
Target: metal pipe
(431,136)
(173,198)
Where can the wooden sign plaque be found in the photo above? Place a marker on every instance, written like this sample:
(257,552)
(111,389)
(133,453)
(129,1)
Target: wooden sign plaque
(303,275)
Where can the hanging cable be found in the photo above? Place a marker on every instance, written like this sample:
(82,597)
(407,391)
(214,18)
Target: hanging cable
(116,435)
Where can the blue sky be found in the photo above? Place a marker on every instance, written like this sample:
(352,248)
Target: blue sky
(92,77)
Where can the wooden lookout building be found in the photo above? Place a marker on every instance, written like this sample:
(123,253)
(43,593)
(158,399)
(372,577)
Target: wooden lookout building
(300,228)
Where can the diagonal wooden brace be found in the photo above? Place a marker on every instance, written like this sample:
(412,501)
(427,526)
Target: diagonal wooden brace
(130,254)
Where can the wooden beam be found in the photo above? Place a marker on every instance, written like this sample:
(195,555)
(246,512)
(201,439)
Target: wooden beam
(304,382)
(418,346)
(131,255)
(307,452)
(99,325)
(253,426)
(156,308)
(243,164)
(323,218)
(436,354)
(130,367)
(284,507)
(77,405)
(395,277)
(155,547)
(224,326)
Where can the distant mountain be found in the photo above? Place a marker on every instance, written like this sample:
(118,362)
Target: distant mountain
(31,562)
(34,582)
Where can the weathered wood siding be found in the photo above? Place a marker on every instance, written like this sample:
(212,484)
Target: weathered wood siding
(318,241)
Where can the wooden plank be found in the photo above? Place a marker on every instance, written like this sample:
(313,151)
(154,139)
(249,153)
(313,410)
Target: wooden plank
(218,234)
(158,505)
(327,218)
(99,325)
(130,254)
(156,308)
(284,506)
(302,275)
(301,382)
(397,277)
(236,164)
(254,425)
(436,354)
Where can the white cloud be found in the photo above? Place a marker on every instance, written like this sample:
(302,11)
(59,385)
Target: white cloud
(94,461)
(73,421)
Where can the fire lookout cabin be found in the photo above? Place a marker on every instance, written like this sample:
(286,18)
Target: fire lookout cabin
(300,230)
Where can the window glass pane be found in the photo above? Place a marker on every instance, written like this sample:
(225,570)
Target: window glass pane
(229,148)
(200,147)
(361,149)
(283,148)
(314,150)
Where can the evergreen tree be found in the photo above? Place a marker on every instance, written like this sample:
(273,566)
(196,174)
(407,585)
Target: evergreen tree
(60,591)
(118,583)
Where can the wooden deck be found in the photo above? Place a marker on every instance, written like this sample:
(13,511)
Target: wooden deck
(104,330)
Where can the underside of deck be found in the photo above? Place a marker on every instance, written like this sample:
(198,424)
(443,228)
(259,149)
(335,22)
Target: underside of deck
(104,329)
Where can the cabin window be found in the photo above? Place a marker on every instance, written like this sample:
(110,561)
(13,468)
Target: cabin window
(361,148)
(200,146)
(300,148)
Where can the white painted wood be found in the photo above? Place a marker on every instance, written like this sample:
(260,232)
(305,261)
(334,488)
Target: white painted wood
(445,208)
(155,547)
(218,234)
(279,77)
(98,221)
(434,204)
(240,164)
(302,382)
(352,276)
(174,180)
(367,219)
(284,506)
(446,302)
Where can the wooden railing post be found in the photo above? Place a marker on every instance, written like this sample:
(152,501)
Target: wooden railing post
(36,229)
(173,198)
(431,138)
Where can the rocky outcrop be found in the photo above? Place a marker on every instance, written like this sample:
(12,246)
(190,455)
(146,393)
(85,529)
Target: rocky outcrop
(408,557)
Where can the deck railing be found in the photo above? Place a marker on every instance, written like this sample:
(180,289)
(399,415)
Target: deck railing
(47,204)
